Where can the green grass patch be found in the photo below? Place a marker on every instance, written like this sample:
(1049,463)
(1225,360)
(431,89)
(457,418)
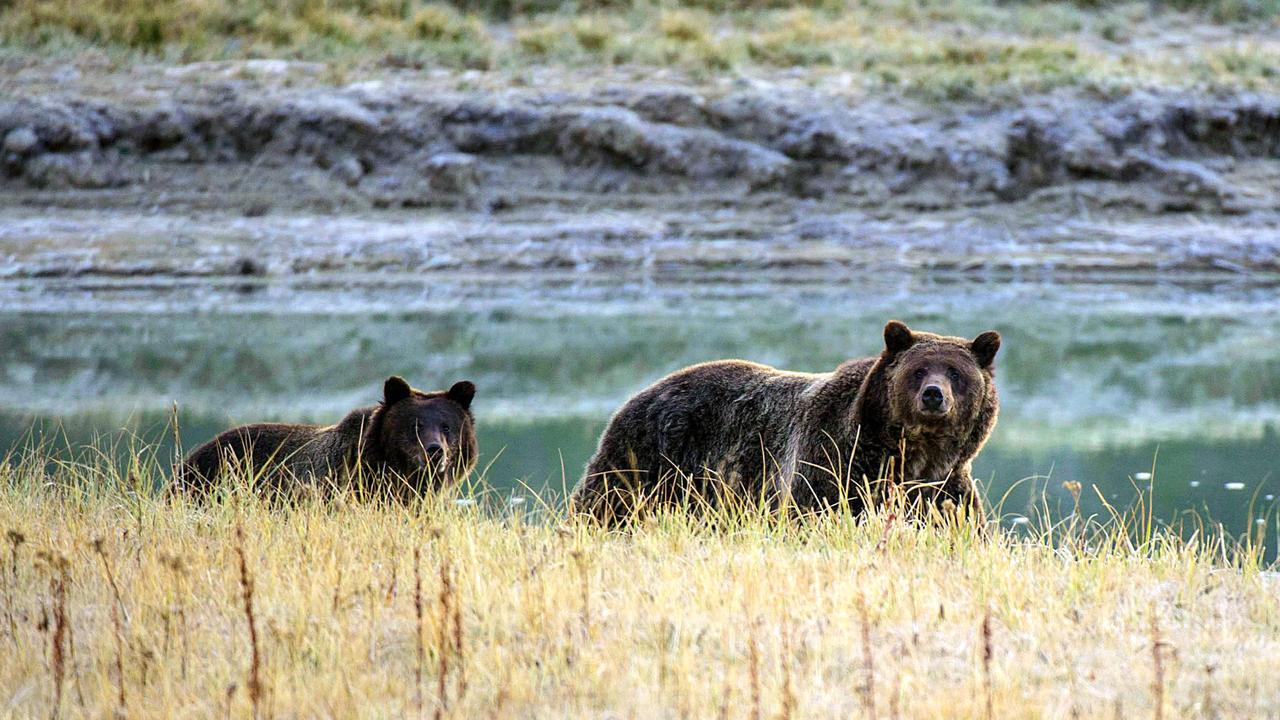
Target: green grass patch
(933,49)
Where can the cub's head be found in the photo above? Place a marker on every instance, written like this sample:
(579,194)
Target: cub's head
(937,384)
(427,438)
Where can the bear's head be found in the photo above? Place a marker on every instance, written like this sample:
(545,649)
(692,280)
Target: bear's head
(937,384)
(427,438)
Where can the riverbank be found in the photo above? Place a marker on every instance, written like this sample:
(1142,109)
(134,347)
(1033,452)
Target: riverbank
(182,138)
(375,611)
(192,171)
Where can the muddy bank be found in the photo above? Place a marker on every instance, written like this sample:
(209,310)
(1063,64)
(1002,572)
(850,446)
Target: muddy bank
(394,145)
(237,176)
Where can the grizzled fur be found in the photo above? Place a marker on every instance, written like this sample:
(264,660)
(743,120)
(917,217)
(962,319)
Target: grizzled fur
(914,416)
(409,443)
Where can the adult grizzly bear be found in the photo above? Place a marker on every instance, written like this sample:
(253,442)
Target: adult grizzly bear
(409,443)
(916,416)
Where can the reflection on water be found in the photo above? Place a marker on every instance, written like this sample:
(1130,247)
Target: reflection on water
(1098,381)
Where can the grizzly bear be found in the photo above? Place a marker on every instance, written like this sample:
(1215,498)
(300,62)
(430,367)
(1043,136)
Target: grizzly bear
(913,417)
(409,443)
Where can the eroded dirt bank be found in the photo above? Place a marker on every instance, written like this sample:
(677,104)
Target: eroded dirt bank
(204,171)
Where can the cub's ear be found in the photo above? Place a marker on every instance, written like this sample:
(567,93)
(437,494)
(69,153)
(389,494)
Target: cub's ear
(462,392)
(897,337)
(985,347)
(394,390)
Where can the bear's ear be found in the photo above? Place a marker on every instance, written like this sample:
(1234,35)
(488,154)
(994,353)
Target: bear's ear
(897,337)
(462,392)
(394,390)
(985,347)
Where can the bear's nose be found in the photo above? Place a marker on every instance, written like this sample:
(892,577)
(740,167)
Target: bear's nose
(434,451)
(932,397)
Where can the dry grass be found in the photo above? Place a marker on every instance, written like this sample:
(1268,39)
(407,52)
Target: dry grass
(536,617)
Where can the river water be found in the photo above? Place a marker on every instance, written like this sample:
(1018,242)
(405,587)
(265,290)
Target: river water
(1117,384)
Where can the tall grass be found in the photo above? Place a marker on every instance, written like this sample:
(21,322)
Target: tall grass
(294,611)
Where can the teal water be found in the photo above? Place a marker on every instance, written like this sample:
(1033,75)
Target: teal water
(1101,382)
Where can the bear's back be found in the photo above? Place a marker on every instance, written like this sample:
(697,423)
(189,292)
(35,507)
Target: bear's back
(266,448)
(736,392)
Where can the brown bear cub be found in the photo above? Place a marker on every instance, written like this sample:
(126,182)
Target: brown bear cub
(913,417)
(410,443)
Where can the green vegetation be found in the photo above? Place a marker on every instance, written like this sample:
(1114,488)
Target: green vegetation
(116,599)
(937,49)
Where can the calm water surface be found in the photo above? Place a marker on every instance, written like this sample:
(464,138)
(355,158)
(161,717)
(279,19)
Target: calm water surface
(1101,383)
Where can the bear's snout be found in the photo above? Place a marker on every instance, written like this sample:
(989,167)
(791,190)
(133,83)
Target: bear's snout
(933,399)
(435,456)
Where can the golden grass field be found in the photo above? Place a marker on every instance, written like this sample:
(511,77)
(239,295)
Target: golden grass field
(118,600)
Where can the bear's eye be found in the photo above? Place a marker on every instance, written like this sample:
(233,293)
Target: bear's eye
(445,428)
(919,374)
(953,374)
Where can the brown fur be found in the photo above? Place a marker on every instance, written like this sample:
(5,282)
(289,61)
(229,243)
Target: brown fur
(735,428)
(411,442)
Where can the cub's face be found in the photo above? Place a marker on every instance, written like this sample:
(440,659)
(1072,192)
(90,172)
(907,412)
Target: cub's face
(937,383)
(426,438)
